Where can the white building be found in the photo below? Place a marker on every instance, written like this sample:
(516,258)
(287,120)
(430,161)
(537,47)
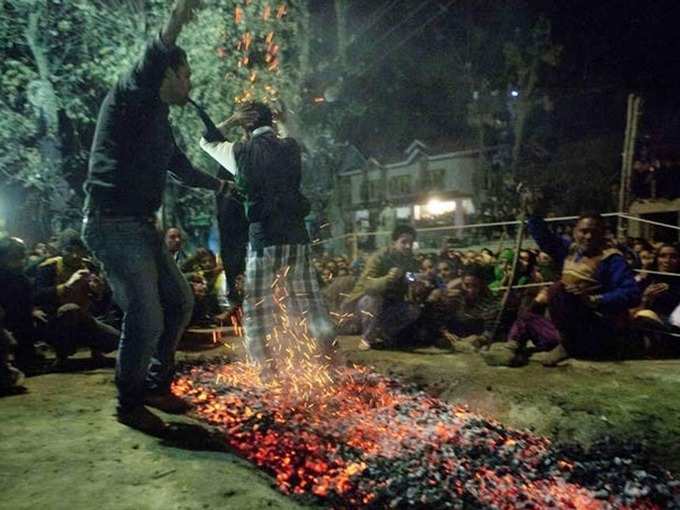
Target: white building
(425,187)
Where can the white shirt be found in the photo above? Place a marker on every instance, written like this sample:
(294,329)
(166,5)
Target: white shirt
(223,152)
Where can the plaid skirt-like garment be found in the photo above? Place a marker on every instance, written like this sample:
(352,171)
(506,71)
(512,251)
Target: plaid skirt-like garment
(281,292)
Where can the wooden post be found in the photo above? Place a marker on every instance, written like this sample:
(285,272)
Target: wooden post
(620,229)
(632,122)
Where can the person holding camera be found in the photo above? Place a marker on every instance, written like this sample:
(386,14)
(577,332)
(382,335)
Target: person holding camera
(66,288)
(383,292)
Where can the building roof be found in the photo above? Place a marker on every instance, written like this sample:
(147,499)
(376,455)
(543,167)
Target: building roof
(442,148)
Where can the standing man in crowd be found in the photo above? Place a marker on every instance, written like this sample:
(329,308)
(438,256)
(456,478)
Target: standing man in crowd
(132,151)
(174,243)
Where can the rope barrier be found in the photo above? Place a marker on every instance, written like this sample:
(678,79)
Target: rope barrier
(642,220)
(655,272)
(458,227)
(524,286)
(545,284)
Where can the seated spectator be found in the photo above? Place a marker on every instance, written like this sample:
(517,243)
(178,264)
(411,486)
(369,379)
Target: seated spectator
(503,271)
(661,293)
(446,272)
(487,256)
(463,316)
(474,312)
(589,305)
(64,290)
(341,263)
(10,376)
(318,265)
(526,266)
(203,262)
(17,302)
(332,267)
(41,252)
(174,243)
(428,273)
(449,252)
(647,259)
(206,310)
(382,292)
(546,267)
(640,244)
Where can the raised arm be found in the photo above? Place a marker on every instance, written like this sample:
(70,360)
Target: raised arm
(182,13)
(548,242)
(148,71)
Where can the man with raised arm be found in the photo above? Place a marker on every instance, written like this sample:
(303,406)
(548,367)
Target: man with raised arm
(589,304)
(132,152)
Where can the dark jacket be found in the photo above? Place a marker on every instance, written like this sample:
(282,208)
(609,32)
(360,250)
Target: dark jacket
(16,299)
(133,146)
(269,176)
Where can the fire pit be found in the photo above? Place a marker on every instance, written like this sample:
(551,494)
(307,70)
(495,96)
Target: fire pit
(367,441)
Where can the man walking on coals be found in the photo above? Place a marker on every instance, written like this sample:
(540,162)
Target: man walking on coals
(132,151)
(268,173)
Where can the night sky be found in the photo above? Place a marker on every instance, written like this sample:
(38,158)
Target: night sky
(610,48)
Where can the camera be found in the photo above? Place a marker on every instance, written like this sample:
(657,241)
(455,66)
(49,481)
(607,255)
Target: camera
(410,276)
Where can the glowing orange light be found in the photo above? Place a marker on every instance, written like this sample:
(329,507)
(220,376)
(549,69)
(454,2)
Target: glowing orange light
(238,15)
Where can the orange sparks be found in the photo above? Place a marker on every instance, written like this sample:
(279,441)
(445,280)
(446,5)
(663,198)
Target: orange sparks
(238,15)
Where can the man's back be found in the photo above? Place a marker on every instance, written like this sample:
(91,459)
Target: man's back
(269,175)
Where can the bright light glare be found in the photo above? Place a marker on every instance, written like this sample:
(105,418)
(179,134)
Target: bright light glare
(436,207)
(514,93)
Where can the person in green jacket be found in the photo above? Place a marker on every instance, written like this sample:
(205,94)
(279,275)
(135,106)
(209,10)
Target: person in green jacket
(382,293)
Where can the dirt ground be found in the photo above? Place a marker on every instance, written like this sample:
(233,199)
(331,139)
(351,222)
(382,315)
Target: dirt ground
(61,448)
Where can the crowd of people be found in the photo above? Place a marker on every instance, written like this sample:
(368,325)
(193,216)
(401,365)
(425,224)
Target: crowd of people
(55,296)
(578,293)
(621,300)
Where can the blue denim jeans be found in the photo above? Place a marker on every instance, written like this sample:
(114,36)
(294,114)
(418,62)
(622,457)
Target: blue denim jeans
(155,299)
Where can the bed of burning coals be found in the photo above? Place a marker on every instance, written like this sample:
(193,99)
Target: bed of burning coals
(356,439)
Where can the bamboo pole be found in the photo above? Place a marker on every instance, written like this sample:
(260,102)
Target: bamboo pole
(513,273)
(620,229)
(631,150)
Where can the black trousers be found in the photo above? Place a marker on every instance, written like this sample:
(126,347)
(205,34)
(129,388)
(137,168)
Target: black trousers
(233,228)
